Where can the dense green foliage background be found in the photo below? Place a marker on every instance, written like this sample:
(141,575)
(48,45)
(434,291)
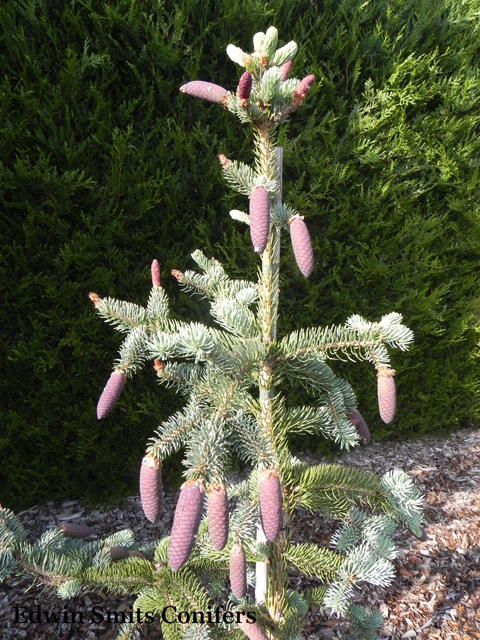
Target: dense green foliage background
(104,166)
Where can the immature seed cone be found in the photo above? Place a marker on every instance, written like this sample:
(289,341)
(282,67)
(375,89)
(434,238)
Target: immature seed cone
(270,495)
(155,269)
(357,420)
(151,489)
(259,218)
(110,394)
(423,535)
(238,571)
(386,394)
(217,512)
(205,90)
(301,89)
(285,70)
(252,630)
(72,530)
(244,88)
(302,246)
(186,521)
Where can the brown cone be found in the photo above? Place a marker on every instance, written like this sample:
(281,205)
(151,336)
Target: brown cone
(302,246)
(120,553)
(155,269)
(72,530)
(186,521)
(151,489)
(386,394)
(252,630)
(271,508)
(217,512)
(238,571)
(205,90)
(359,423)
(110,394)
(259,218)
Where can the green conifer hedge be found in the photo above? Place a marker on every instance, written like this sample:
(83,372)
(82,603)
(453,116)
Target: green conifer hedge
(104,166)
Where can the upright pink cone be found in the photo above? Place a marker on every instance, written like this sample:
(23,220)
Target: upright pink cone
(271,507)
(217,513)
(155,269)
(386,394)
(110,394)
(302,246)
(259,218)
(244,88)
(205,90)
(238,571)
(301,89)
(151,489)
(285,70)
(252,630)
(186,521)
(359,423)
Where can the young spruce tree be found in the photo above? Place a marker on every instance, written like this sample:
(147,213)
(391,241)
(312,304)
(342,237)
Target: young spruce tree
(229,376)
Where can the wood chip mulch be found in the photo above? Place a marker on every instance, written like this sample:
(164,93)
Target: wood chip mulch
(436,593)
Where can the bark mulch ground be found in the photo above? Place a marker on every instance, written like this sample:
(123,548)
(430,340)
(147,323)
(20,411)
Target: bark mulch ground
(436,593)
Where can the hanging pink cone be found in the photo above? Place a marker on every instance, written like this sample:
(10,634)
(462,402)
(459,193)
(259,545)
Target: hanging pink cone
(151,490)
(302,246)
(155,269)
(386,394)
(238,571)
(359,423)
(252,630)
(205,90)
(110,394)
(271,506)
(72,530)
(217,513)
(285,70)
(259,218)
(186,521)
(244,88)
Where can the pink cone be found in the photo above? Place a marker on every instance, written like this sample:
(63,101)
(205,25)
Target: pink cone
(155,269)
(259,218)
(110,394)
(302,246)
(386,394)
(205,90)
(271,505)
(186,521)
(151,490)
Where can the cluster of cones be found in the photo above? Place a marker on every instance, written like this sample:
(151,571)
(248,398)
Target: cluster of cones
(188,514)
